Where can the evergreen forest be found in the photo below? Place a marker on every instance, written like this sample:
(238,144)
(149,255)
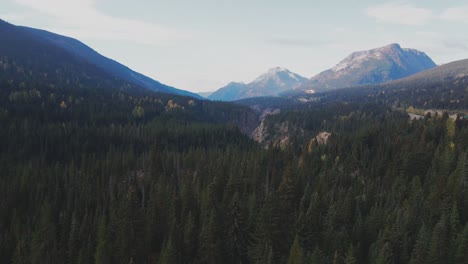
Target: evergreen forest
(94,169)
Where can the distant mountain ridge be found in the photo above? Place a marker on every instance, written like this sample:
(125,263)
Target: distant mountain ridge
(205,94)
(87,54)
(449,71)
(444,87)
(373,66)
(380,65)
(273,82)
(441,87)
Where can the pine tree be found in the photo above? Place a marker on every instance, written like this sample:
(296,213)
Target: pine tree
(350,257)
(439,243)
(266,257)
(461,252)
(168,253)
(73,243)
(236,232)
(102,253)
(21,253)
(190,241)
(296,254)
(210,241)
(286,211)
(43,241)
(421,248)
(317,256)
(385,255)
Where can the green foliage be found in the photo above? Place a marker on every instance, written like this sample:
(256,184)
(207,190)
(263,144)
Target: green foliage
(168,253)
(116,177)
(296,254)
(350,257)
(138,112)
(103,253)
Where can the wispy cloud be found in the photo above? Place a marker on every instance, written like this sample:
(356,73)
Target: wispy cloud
(83,20)
(400,13)
(456,45)
(404,13)
(459,14)
(295,41)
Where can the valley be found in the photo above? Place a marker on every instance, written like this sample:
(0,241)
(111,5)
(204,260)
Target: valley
(101,164)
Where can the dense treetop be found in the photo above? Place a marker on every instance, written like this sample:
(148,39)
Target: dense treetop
(95,170)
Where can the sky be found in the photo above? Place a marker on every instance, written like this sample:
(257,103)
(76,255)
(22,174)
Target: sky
(202,45)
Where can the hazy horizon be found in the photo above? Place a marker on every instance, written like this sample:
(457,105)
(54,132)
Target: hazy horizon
(203,46)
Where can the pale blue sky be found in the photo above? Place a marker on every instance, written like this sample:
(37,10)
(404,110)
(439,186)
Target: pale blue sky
(201,45)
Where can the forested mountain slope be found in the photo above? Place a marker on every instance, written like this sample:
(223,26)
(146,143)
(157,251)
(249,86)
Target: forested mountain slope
(170,192)
(444,87)
(34,41)
(96,170)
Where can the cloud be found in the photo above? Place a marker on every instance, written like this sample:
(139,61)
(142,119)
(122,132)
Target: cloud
(456,45)
(295,41)
(458,14)
(427,34)
(82,19)
(400,13)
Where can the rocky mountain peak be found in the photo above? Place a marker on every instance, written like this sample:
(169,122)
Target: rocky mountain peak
(277,69)
(272,82)
(372,66)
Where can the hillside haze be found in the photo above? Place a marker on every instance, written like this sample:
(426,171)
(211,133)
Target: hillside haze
(373,66)
(273,82)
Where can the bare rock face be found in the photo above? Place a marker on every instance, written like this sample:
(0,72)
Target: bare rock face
(322,138)
(373,66)
(277,134)
(259,133)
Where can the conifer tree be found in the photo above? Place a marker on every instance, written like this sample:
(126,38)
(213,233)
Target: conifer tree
(296,254)
(439,243)
(421,247)
(350,257)
(102,254)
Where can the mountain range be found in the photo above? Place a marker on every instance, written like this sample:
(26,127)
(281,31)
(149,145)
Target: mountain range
(59,60)
(98,166)
(273,82)
(442,87)
(373,66)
